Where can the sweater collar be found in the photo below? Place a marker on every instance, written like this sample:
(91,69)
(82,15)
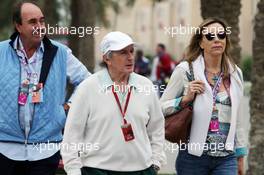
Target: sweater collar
(199,67)
(47,44)
(106,81)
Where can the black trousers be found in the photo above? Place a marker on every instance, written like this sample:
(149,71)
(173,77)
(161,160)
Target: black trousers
(96,171)
(41,167)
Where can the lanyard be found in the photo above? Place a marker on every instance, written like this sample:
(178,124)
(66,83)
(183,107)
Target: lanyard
(32,76)
(216,87)
(119,104)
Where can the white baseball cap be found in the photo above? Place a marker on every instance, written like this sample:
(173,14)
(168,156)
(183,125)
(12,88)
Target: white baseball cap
(115,41)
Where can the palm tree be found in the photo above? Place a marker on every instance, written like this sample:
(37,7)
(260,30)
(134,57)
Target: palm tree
(229,11)
(256,154)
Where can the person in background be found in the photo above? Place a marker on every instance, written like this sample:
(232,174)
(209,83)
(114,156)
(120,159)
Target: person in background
(162,69)
(165,64)
(141,64)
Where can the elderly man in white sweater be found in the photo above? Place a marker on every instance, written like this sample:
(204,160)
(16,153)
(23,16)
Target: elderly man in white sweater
(115,124)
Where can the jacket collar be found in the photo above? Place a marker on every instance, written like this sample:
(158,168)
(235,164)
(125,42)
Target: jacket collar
(199,67)
(46,42)
(17,45)
(50,50)
(106,81)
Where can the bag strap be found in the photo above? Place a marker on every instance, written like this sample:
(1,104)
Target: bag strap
(50,51)
(191,70)
(190,77)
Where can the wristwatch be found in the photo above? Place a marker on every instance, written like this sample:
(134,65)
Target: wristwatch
(155,167)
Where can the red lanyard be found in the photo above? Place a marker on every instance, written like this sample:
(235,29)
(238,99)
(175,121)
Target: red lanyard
(119,104)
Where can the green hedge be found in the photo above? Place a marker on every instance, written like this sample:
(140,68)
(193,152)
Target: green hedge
(246,66)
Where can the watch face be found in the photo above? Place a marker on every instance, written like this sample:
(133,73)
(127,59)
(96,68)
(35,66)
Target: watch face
(155,167)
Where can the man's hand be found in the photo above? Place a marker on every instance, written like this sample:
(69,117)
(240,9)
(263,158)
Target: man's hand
(240,165)
(66,107)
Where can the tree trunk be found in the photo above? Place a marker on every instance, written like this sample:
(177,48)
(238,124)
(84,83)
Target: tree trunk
(51,14)
(256,153)
(73,39)
(83,15)
(229,11)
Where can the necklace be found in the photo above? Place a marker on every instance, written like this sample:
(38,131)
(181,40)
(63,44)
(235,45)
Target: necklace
(215,76)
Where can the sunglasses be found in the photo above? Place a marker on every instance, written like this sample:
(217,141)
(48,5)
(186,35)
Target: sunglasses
(211,36)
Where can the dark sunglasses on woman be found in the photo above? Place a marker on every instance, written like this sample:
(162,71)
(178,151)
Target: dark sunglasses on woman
(211,36)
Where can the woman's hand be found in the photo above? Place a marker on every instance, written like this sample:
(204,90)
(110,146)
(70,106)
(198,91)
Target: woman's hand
(194,87)
(240,164)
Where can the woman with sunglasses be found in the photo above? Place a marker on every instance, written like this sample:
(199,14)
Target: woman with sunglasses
(216,144)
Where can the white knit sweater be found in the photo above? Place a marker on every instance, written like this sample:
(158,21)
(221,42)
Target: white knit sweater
(95,120)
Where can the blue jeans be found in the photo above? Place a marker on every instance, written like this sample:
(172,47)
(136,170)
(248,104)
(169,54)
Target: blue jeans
(187,164)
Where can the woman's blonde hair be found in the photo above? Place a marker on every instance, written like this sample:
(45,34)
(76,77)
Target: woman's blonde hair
(194,49)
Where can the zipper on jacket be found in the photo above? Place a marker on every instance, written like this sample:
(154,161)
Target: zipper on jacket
(18,111)
(31,124)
